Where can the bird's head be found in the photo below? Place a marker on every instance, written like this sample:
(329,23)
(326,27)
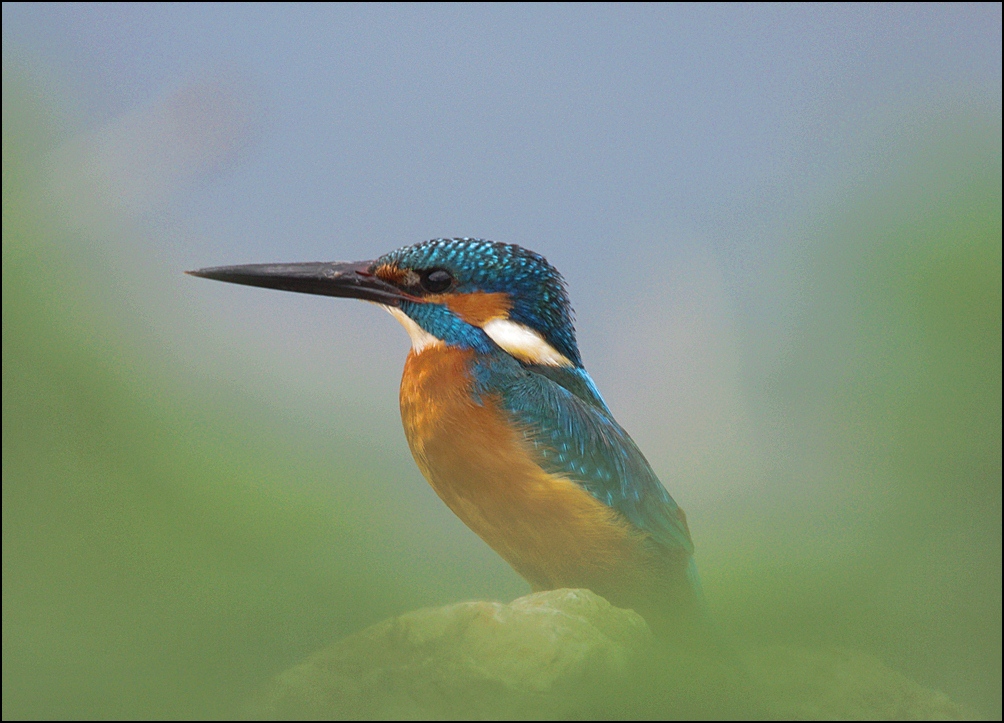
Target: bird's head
(463,292)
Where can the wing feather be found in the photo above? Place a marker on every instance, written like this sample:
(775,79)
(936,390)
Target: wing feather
(577,437)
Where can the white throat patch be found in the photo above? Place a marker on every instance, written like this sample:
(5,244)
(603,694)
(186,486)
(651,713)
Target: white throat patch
(420,338)
(524,343)
(521,341)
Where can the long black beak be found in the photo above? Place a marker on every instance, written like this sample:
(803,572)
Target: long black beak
(350,280)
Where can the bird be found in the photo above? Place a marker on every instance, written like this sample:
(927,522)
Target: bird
(508,427)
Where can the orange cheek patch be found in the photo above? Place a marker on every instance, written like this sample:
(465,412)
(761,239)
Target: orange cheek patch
(478,307)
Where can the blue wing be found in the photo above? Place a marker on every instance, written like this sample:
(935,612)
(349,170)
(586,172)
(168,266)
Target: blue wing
(577,437)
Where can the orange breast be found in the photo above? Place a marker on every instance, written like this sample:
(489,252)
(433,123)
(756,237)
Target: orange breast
(548,528)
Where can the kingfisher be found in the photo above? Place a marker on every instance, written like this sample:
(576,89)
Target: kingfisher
(506,424)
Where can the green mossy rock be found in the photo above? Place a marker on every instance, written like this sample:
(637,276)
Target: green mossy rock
(468,660)
(570,654)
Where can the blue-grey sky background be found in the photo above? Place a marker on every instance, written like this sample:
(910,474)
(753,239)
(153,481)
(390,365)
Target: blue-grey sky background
(554,126)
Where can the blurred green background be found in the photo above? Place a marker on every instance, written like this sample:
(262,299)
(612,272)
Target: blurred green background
(184,515)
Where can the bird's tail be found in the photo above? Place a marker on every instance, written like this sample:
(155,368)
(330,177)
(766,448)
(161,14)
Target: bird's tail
(699,631)
(694,580)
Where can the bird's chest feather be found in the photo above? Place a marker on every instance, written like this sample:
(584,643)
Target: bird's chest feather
(553,532)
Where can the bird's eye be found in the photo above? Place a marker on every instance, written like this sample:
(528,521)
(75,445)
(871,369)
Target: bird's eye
(436,280)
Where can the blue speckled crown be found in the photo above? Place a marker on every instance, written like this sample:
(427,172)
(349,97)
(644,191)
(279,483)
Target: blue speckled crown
(539,297)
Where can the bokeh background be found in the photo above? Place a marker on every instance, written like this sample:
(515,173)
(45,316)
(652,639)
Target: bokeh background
(781,229)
